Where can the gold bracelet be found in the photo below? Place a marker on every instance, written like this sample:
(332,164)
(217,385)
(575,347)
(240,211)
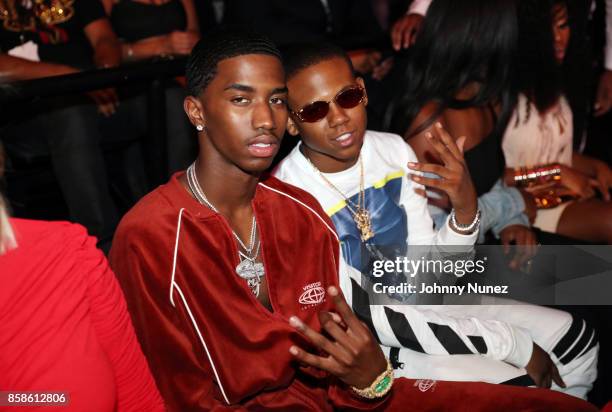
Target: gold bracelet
(527,177)
(380,387)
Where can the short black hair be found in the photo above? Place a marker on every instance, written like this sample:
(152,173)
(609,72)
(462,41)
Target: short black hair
(220,45)
(302,56)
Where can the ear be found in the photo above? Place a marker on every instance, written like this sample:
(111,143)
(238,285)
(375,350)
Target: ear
(361,83)
(292,126)
(194,110)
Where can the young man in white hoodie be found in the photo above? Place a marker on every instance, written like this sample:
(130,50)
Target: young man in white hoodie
(367,182)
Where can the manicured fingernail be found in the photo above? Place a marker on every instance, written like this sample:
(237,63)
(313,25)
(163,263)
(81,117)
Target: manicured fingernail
(412,164)
(293,350)
(335,317)
(438,125)
(429,135)
(332,291)
(416,178)
(295,322)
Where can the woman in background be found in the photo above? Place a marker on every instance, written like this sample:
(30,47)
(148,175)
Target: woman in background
(65,325)
(154,28)
(159,28)
(538,144)
(459,74)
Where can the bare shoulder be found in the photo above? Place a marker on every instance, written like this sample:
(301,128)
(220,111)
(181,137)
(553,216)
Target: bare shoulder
(423,121)
(423,124)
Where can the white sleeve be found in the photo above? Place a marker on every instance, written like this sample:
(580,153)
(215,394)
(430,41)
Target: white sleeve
(608,47)
(419,7)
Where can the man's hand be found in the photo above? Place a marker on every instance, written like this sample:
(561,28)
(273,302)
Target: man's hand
(603,98)
(454,179)
(525,244)
(542,369)
(405,30)
(352,353)
(382,69)
(106,99)
(365,61)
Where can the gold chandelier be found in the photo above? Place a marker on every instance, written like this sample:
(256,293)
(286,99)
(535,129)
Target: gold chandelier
(48,12)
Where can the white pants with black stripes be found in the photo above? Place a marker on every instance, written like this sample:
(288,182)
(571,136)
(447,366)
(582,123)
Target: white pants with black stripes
(570,342)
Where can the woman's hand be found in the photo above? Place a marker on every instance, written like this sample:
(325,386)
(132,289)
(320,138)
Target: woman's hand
(603,175)
(181,42)
(454,179)
(577,183)
(352,352)
(531,209)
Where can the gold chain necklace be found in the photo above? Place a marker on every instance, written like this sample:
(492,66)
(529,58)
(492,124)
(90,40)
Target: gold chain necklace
(361,216)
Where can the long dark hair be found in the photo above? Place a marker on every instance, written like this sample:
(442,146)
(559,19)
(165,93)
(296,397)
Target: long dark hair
(460,42)
(540,76)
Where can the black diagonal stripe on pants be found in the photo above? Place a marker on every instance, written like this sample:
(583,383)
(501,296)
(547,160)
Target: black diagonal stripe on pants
(523,380)
(572,334)
(449,339)
(361,307)
(402,330)
(585,340)
(479,343)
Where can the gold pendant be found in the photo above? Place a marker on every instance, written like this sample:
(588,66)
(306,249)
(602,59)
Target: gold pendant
(364,224)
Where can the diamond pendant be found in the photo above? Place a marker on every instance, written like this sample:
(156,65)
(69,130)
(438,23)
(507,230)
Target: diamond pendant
(247,269)
(254,286)
(252,272)
(364,224)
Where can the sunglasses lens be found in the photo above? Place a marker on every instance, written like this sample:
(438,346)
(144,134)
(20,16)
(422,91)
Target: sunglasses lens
(350,98)
(314,111)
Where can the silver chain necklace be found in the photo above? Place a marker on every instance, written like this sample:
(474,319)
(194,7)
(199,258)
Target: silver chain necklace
(248,268)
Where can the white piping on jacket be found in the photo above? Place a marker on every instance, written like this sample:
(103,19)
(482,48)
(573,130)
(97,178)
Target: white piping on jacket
(176,243)
(174,285)
(305,205)
(195,325)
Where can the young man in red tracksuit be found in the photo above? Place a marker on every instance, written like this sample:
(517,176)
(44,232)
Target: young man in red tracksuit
(231,275)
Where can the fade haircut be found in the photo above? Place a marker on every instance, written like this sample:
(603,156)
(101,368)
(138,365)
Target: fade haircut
(220,45)
(302,56)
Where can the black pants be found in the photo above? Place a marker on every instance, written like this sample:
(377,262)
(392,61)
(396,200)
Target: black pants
(71,133)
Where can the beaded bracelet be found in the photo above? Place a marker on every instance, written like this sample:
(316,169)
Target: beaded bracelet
(471,228)
(380,387)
